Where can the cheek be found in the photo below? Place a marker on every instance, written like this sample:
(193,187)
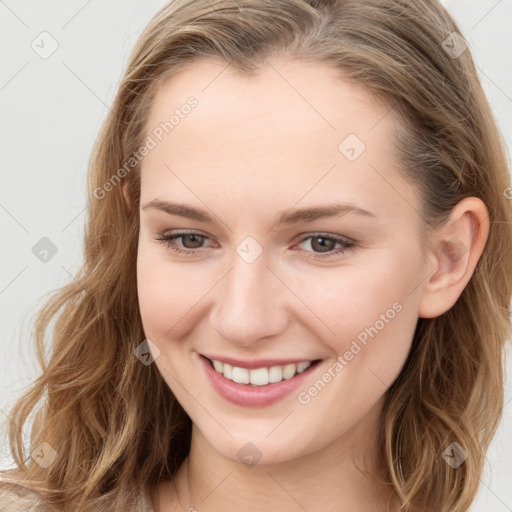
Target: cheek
(368,306)
(373,317)
(165,294)
(171,294)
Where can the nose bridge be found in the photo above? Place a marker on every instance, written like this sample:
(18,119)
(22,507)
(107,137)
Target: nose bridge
(249,301)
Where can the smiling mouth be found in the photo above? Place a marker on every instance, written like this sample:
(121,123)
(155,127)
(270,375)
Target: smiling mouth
(261,376)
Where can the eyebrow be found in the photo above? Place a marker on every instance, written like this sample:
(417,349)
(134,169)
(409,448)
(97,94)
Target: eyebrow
(285,217)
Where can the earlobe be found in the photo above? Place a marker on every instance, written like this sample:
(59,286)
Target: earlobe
(455,250)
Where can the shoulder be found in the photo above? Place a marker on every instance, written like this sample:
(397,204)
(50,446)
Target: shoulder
(20,499)
(145,502)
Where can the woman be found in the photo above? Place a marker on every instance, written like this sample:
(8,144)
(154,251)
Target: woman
(297,273)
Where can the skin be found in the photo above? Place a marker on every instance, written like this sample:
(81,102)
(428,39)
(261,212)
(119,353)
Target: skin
(251,148)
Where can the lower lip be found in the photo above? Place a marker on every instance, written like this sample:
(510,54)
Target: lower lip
(253,396)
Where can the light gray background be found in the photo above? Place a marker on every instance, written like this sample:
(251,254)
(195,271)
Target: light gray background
(51,111)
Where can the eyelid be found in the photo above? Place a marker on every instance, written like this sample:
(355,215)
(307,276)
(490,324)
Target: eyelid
(347,243)
(312,234)
(299,238)
(168,236)
(177,232)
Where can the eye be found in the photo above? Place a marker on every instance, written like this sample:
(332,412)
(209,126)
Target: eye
(190,240)
(326,244)
(323,244)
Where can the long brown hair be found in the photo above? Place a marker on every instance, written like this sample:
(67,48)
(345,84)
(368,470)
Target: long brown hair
(114,422)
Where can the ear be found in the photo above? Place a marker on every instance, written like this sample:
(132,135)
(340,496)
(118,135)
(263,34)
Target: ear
(454,251)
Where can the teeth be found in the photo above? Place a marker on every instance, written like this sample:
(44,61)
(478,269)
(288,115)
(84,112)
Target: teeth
(218,366)
(289,371)
(275,374)
(303,366)
(260,376)
(227,370)
(240,375)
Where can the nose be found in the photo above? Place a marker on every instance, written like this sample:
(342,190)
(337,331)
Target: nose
(249,304)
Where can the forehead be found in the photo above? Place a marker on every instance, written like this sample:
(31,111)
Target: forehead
(284,131)
(302,98)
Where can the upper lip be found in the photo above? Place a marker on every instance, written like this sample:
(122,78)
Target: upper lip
(257,363)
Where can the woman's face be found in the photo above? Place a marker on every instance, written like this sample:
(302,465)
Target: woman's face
(300,243)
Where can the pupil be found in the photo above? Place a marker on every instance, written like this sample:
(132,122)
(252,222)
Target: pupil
(198,241)
(325,246)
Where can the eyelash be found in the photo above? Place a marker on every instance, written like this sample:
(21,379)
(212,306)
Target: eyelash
(345,243)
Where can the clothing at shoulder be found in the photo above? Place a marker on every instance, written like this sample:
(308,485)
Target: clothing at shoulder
(144,503)
(19,499)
